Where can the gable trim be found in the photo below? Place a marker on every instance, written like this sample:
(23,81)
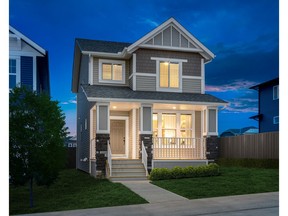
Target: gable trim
(134,46)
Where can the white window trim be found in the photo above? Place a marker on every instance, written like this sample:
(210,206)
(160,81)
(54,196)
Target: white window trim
(103,61)
(90,75)
(277,89)
(179,61)
(274,120)
(18,73)
(178,119)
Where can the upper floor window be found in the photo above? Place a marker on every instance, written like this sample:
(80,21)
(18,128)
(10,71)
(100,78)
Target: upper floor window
(168,74)
(276,120)
(111,71)
(276,92)
(14,72)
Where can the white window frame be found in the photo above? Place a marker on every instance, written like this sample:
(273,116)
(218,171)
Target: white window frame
(177,61)
(276,88)
(109,61)
(18,74)
(275,120)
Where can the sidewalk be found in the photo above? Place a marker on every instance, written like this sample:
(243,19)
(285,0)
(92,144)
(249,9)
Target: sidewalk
(152,193)
(264,204)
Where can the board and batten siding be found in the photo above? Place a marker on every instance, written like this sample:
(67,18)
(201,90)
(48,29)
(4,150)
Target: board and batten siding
(96,72)
(145,83)
(191,85)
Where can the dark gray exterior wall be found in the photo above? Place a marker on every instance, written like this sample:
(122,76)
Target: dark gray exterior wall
(268,108)
(145,65)
(84,69)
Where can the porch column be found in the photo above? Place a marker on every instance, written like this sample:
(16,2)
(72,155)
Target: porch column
(211,132)
(102,137)
(145,134)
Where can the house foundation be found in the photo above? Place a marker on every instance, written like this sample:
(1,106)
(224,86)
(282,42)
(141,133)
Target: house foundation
(101,154)
(212,147)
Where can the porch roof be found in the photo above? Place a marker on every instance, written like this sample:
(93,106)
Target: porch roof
(94,92)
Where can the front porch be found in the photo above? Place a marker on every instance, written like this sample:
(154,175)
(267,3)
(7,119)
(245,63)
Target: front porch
(154,133)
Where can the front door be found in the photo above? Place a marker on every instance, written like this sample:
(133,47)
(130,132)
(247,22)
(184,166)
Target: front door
(117,137)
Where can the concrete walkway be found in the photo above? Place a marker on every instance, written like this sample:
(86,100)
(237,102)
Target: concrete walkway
(264,204)
(152,193)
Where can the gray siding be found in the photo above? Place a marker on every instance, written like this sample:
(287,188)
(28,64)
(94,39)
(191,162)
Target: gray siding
(167,37)
(175,37)
(147,118)
(83,136)
(191,85)
(145,65)
(96,72)
(145,83)
(27,71)
(198,124)
(84,69)
(103,117)
(212,120)
(131,83)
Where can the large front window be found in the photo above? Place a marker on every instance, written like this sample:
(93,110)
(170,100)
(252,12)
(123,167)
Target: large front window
(169,75)
(14,72)
(172,125)
(111,71)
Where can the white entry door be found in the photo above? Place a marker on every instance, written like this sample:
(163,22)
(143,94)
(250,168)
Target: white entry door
(118,137)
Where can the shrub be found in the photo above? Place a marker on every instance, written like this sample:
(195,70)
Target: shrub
(249,162)
(184,172)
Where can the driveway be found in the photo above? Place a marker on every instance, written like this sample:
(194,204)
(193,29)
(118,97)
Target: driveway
(264,204)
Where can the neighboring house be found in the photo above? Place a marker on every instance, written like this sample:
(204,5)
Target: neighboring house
(237,132)
(71,142)
(146,97)
(268,105)
(28,63)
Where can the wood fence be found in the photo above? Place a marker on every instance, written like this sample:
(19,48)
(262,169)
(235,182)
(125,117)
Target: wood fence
(258,146)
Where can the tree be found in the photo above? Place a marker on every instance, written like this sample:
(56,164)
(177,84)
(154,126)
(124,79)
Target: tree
(36,138)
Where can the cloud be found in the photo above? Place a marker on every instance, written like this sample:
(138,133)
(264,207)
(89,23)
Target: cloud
(234,86)
(242,105)
(71,101)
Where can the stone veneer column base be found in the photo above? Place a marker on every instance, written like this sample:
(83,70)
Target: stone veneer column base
(101,154)
(148,142)
(212,147)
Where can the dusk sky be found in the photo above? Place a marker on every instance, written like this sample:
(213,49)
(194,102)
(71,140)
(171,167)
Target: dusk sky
(244,36)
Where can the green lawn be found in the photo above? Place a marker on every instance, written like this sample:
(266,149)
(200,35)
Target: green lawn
(232,181)
(72,190)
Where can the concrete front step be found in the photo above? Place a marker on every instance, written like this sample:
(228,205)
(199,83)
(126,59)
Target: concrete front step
(132,178)
(126,169)
(129,174)
(130,166)
(126,161)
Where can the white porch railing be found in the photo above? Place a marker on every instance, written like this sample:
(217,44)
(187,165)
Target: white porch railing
(144,157)
(179,148)
(109,157)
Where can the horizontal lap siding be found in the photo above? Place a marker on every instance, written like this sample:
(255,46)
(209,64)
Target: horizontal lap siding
(96,73)
(146,83)
(27,71)
(191,85)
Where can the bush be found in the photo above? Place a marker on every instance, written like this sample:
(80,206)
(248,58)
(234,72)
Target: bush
(184,172)
(249,163)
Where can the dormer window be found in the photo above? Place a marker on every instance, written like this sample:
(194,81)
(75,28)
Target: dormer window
(111,71)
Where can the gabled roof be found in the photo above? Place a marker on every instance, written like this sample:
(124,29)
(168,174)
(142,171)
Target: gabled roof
(27,40)
(267,83)
(96,92)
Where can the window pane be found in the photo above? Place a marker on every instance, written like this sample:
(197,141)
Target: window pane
(117,72)
(12,66)
(168,133)
(186,133)
(186,121)
(155,122)
(164,74)
(12,81)
(106,71)
(174,75)
(168,121)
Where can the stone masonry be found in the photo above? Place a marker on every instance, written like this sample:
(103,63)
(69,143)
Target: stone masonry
(101,154)
(212,147)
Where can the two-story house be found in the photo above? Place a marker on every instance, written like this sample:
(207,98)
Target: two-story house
(143,104)
(28,63)
(268,105)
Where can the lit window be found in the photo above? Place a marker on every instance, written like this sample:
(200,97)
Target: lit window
(275,92)
(155,125)
(186,125)
(169,125)
(169,75)
(112,71)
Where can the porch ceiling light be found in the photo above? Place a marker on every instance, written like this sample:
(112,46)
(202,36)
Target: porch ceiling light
(174,107)
(114,107)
